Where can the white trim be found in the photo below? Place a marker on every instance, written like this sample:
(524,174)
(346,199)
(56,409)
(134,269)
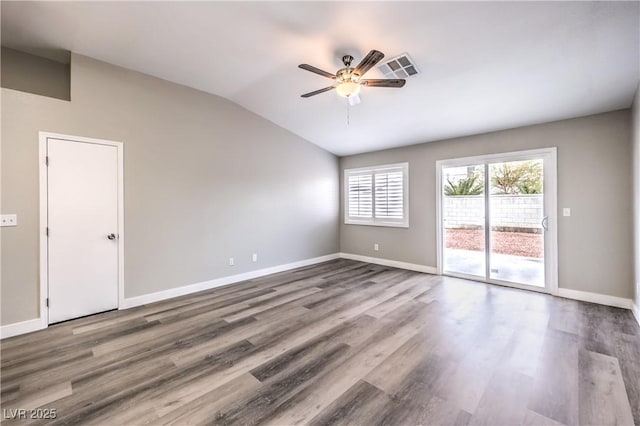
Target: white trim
(392,263)
(601,299)
(439,227)
(551,209)
(23,327)
(551,198)
(28,326)
(44,201)
(585,296)
(219,282)
(498,282)
(636,312)
(529,154)
(44,251)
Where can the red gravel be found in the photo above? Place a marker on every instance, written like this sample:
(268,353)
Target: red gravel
(513,243)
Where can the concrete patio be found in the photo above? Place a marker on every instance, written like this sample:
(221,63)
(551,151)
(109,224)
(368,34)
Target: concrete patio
(516,269)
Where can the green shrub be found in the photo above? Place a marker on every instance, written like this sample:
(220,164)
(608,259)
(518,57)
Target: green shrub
(468,186)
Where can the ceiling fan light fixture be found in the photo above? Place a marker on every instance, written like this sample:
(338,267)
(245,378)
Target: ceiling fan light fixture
(348,88)
(347,80)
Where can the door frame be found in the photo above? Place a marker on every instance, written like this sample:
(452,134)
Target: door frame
(44,203)
(551,209)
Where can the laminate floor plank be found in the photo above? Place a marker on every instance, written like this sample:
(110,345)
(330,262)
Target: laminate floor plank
(466,381)
(504,401)
(556,389)
(274,301)
(566,316)
(391,373)
(204,409)
(522,353)
(359,405)
(280,389)
(415,401)
(603,397)
(532,418)
(178,386)
(326,316)
(279,356)
(628,354)
(399,327)
(42,396)
(434,412)
(44,358)
(337,343)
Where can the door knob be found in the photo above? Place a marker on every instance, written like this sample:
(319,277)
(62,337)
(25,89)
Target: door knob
(111,236)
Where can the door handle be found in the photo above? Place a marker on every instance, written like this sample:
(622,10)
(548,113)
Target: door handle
(545,223)
(111,236)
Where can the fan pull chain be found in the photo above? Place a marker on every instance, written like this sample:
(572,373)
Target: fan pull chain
(348,110)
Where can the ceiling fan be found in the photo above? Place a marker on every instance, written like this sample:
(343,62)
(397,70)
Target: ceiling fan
(348,81)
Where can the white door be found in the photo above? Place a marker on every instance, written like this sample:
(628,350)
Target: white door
(82,225)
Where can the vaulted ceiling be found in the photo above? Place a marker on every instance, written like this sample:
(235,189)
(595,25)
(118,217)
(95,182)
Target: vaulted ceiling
(484,66)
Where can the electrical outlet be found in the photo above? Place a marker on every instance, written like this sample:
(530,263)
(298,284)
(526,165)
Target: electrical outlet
(9,220)
(254,257)
(376,247)
(231,263)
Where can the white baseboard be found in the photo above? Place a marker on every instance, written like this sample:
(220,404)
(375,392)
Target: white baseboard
(219,282)
(392,263)
(636,312)
(29,326)
(23,327)
(602,299)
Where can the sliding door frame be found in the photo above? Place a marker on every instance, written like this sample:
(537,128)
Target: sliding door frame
(550,209)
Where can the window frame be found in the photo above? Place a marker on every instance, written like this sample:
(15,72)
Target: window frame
(373,170)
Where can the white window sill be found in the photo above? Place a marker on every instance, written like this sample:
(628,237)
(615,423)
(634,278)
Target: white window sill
(384,224)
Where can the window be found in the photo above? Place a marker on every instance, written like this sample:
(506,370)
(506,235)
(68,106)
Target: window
(377,195)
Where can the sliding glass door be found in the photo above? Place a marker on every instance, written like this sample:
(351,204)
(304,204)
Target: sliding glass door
(517,222)
(495,214)
(463,219)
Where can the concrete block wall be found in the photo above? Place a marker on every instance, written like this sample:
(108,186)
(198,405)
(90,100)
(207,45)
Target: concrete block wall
(509,212)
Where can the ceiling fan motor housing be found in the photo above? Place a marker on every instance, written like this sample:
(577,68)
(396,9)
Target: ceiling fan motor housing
(346,60)
(347,75)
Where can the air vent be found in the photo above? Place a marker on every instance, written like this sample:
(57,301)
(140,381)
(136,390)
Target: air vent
(399,67)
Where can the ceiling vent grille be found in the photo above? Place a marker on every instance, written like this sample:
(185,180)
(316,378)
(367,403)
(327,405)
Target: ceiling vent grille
(399,67)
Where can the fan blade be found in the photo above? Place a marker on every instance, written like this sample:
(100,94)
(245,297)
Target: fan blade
(317,92)
(317,71)
(384,83)
(368,62)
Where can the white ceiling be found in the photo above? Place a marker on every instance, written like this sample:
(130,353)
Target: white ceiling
(484,66)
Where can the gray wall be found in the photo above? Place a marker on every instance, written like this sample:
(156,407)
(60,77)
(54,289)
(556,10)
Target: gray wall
(635,135)
(33,74)
(204,180)
(594,175)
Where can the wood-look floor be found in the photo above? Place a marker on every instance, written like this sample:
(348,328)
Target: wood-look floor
(341,342)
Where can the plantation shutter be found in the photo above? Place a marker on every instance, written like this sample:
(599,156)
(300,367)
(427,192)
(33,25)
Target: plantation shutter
(377,195)
(389,194)
(360,196)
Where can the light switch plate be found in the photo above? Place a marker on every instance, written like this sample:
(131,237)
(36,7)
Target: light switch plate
(9,220)
(566,211)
